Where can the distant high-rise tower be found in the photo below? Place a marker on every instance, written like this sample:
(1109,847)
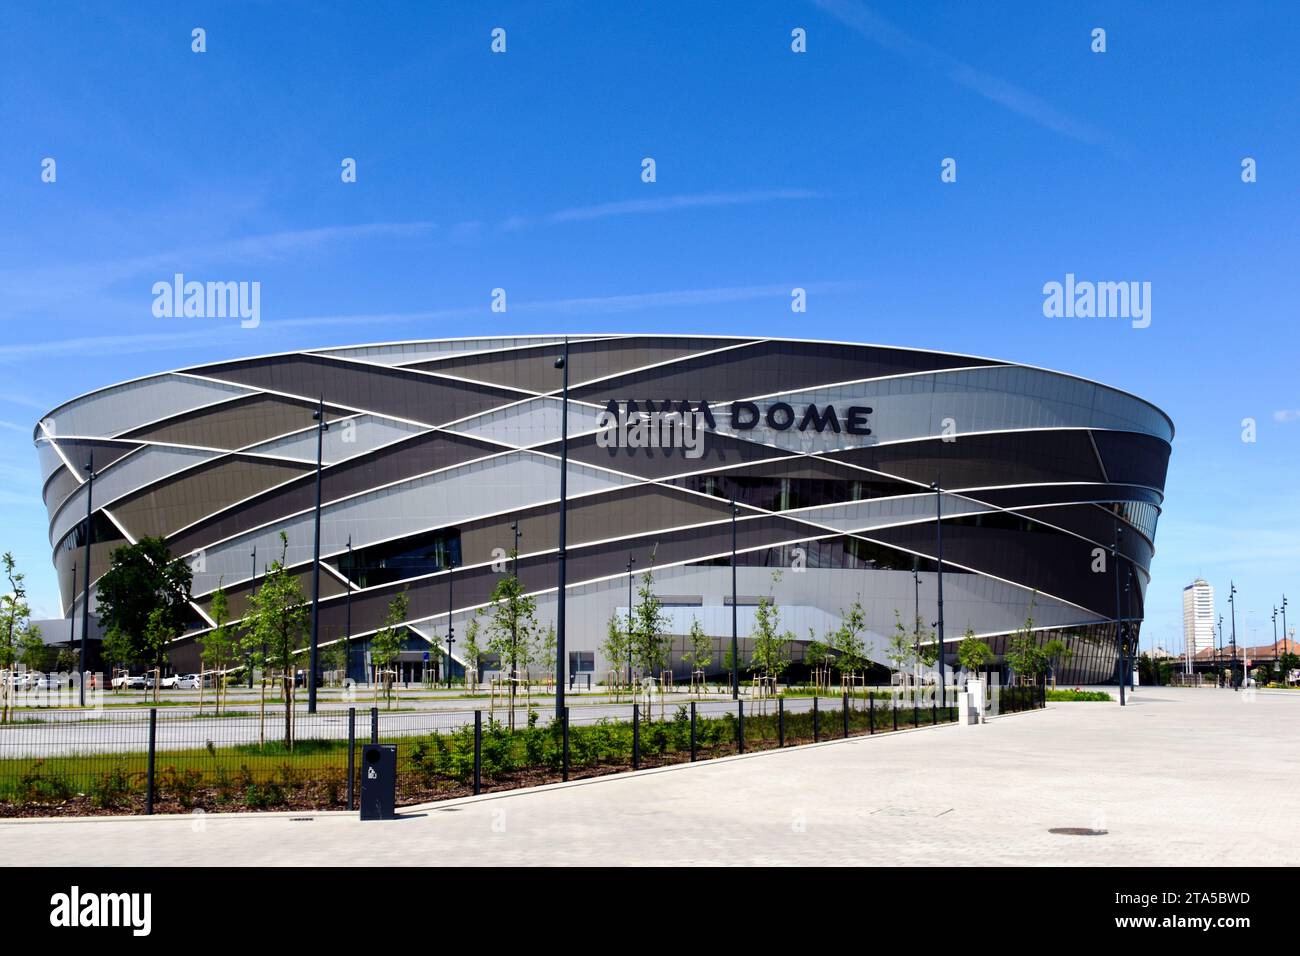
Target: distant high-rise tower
(1198,616)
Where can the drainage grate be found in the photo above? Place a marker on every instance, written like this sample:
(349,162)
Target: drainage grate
(301,819)
(1077,831)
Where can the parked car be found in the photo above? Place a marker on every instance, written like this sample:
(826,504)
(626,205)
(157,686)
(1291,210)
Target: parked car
(52,682)
(189,682)
(169,683)
(133,683)
(23,681)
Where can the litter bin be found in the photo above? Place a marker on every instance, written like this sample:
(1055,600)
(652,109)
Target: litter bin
(378,781)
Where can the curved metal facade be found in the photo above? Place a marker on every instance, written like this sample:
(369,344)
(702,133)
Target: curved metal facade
(436,447)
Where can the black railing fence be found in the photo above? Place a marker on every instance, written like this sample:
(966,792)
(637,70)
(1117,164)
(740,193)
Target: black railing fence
(151,761)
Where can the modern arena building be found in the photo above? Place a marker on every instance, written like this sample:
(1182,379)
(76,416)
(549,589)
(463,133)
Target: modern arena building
(436,448)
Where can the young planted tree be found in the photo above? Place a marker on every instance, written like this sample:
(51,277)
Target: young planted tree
(650,645)
(158,633)
(218,646)
(33,652)
(614,649)
(699,651)
(901,649)
(847,643)
(973,654)
(334,657)
(15,624)
(546,651)
(473,653)
(277,619)
(1024,655)
(1057,653)
(118,650)
(511,624)
(771,655)
(386,644)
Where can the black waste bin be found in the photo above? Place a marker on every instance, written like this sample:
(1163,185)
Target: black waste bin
(378,781)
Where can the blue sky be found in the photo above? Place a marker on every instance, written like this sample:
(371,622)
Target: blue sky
(774,170)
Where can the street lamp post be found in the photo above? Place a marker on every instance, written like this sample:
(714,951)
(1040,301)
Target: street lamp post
(916,609)
(735,642)
(938,531)
(248,658)
(1232,606)
(451,609)
(322,426)
(1284,631)
(85,596)
(1119,624)
(630,561)
(347,631)
(514,623)
(1277,653)
(562,363)
(1218,654)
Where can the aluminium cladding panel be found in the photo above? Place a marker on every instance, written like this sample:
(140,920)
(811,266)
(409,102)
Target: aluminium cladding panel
(146,466)
(764,367)
(346,438)
(119,408)
(395,392)
(513,480)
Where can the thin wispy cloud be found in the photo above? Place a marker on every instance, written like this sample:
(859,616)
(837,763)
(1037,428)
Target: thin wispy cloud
(880,31)
(1286,416)
(19,288)
(102,345)
(636,207)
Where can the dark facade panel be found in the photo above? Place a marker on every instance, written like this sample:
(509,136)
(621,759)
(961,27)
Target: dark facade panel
(235,424)
(406,458)
(169,505)
(534,368)
(1133,458)
(973,461)
(387,391)
(764,368)
(719,451)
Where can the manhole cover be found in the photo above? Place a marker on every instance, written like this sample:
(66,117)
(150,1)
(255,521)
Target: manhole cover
(1077,831)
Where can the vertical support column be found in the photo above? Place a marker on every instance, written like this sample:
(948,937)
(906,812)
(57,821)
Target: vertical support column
(780,721)
(693,750)
(846,713)
(740,726)
(636,736)
(478,752)
(374,725)
(817,722)
(565,719)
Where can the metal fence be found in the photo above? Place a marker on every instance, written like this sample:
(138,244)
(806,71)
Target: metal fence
(152,762)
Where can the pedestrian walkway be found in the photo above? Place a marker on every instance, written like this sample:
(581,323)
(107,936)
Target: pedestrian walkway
(1179,776)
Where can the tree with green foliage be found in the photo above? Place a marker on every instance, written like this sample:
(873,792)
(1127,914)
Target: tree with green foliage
(218,646)
(334,657)
(1057,653)
(1286,663)
(387,643)
(15,625)
(973,654)
(1025,655)
(473,652)
(650,645)
(158,633)
(699,649)
(847,643)
(141,578)
(545,656)
(771,646)
(277,620)
(901,649)
(118,650)
(614,649)
(511,625)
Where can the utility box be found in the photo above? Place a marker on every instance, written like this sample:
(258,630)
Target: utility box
(378,781)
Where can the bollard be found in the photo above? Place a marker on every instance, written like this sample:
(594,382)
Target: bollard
(817,722)
(352,757)
(740,726)
(780,721)
(871,711)
(692,731)
(915,723)
(636,736)
(846,713)
(894,707)
(153,740)
(478,752)
(934,711)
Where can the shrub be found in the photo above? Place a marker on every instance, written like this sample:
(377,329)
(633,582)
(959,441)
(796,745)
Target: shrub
(112,789)
(39,785)
(183,784)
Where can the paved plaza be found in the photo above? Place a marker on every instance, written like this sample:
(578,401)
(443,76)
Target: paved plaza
(1179,777)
